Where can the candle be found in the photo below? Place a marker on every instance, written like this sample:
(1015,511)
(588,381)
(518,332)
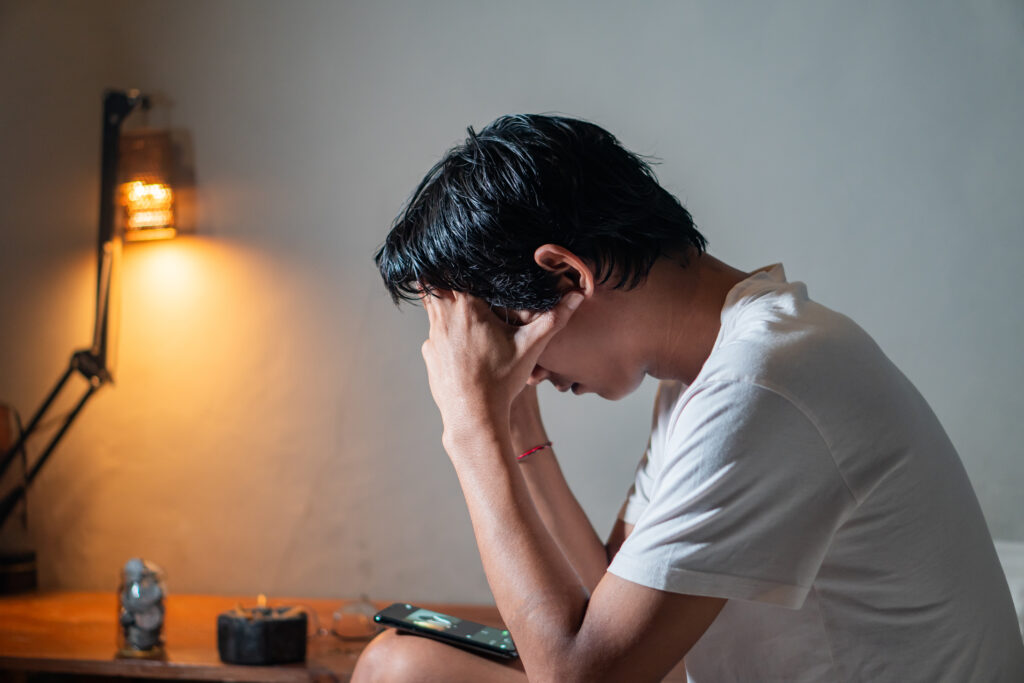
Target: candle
(262,634)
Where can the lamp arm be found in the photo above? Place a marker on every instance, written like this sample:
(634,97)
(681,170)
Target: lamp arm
(91,363)
(11,453)
(117,105)
(85,363)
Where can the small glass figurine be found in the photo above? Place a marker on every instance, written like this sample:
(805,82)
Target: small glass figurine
(141,594)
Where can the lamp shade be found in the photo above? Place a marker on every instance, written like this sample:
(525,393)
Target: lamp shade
(146,195)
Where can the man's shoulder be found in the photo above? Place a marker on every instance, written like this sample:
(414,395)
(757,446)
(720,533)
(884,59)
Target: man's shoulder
(793,345)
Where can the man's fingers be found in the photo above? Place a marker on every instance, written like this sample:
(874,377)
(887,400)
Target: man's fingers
(547,324)
(428,300)
(434,302)
(479,308)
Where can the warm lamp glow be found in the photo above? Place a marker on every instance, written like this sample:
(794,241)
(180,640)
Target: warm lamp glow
(148,210)
(146,196)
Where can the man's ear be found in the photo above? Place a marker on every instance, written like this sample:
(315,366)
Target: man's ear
(574,272)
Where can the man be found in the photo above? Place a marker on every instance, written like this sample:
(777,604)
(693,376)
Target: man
(799,514)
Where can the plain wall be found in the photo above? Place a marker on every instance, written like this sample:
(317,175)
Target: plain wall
(271,428)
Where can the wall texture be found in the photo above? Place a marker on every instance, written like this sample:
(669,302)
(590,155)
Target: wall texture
(272,429)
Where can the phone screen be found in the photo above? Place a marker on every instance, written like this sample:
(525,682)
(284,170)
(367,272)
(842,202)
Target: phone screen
(447,628)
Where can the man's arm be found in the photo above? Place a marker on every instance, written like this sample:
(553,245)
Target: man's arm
(623,632)
(551,495)
(620,532)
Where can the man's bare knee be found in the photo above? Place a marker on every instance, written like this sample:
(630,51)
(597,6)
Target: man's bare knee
(384,659)
(411,659)
(394,657)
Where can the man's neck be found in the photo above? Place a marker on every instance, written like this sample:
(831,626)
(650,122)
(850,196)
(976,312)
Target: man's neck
(684,304)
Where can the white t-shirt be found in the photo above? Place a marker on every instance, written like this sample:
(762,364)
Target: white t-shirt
(803,477)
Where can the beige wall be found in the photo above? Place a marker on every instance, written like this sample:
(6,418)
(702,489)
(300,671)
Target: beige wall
(271,428)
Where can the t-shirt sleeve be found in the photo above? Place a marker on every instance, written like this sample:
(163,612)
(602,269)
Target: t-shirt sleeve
(744,503)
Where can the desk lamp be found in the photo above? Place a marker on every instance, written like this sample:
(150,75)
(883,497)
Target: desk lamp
(140,160)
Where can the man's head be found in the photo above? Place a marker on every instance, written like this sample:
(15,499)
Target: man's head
(524,181)
(529,208)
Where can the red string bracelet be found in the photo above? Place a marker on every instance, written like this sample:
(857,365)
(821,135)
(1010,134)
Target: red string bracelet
(533,450)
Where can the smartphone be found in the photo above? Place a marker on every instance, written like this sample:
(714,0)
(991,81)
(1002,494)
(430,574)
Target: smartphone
(462,633)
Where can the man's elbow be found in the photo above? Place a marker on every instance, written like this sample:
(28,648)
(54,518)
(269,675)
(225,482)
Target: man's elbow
(589,665)
(592,674)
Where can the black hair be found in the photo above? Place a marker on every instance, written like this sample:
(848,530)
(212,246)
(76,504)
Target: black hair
(526,180)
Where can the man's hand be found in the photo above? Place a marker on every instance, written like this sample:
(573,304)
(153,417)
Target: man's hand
(477,364)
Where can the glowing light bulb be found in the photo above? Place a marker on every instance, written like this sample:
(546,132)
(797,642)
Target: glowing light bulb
(146,197)
(148,210)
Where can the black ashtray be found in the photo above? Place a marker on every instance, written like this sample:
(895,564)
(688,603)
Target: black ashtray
(262,635)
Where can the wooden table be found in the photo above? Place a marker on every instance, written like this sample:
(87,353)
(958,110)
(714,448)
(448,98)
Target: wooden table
(76,634)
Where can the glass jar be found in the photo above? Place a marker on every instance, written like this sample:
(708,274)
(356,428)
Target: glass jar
(141,596)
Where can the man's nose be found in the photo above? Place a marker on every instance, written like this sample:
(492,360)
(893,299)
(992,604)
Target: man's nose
(538,375)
